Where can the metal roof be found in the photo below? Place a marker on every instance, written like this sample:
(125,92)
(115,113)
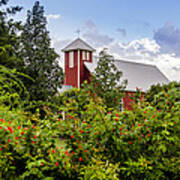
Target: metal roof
(138,75)
(78,44)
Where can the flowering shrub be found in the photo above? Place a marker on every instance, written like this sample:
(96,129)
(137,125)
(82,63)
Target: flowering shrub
(89,141)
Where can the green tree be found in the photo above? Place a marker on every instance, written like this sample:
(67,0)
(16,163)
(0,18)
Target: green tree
(106,82)
(154,90)
(9,41)
(39,57)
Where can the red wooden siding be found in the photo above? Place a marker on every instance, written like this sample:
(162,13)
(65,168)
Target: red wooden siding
(71,73)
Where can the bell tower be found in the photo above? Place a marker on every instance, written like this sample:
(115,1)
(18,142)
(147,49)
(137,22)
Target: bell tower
(75,55)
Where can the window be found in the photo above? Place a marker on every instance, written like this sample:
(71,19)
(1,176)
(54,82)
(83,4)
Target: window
(71,59)
(88,56)
(84,55)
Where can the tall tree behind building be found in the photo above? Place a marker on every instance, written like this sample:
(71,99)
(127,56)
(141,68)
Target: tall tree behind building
(39,57)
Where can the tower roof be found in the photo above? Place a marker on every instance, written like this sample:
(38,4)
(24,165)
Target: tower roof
(78,44)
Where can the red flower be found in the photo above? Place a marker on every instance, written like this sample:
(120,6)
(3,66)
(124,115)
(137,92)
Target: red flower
(139,139)
(121,133)
(33,126)
(19,127)
(116,119)
(80,159)
(42,164)
(0,149)
(117,115)
(35,136)
(167,103)
(16,138)
(109,112)
(59,119)
(2,120)
(139,124)
(149,135)
(130,142)
(72,137)
(84,122)
(9,122)
(81,131)
(56,164)
(22,132)
(9,140)
(85,151)
(71,117)
(73,153)
(121,128)
(153,116)
(67,153)
(53,151)
(33,142)
(10,129)
(0,127)
(144,112)
(174,122)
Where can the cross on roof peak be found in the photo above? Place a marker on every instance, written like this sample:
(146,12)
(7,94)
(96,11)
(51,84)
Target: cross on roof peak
(78,31)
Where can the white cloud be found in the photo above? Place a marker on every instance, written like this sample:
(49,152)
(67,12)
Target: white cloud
(143,50)
(93,36)
(148,51)
(53,16)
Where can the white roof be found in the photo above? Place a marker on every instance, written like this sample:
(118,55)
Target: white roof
(138,74)
(78,44)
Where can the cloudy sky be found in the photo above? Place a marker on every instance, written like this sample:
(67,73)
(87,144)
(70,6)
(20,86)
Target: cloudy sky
(146,31)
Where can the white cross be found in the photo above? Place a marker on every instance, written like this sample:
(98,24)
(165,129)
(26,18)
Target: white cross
(78,32)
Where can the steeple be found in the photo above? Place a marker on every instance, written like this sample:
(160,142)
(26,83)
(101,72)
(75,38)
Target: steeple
(78,44)
(76,53)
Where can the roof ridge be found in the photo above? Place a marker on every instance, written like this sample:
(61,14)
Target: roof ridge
(81,41)
(140,63)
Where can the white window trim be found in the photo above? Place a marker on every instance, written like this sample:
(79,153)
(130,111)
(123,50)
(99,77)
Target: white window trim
(88,55)
(83,55)
(71,59)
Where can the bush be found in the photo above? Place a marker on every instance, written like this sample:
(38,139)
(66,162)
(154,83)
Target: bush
(87,141)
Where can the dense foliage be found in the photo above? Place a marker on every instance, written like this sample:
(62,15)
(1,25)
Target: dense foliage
(9,41)
(87,142)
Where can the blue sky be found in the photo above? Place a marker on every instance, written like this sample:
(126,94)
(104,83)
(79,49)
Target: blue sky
(139,30)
